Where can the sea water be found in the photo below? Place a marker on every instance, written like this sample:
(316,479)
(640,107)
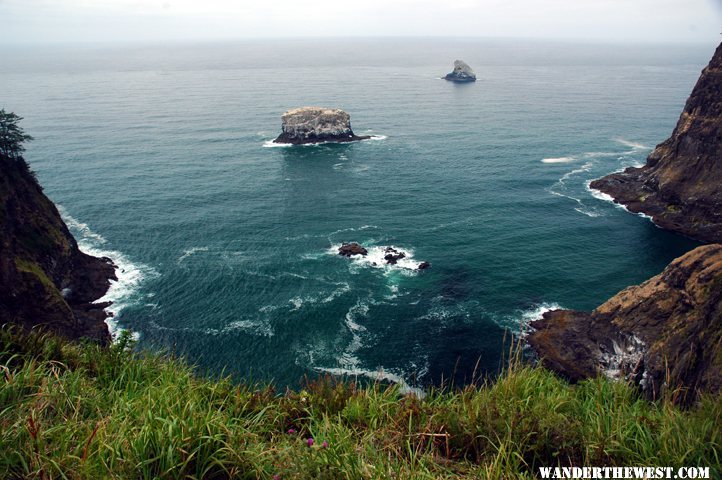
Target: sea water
(158,157)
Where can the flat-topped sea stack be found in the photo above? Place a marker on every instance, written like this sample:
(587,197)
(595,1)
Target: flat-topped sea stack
(680,186)
(316,125)
(462,73)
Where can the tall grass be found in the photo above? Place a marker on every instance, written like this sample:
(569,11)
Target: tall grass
(71,410)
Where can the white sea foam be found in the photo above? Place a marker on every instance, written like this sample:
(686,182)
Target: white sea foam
(521,322)
(344,288)
(191,251)
(272,144)
(560,188)
(559,160)
(123,292)
(608,198)
(630,144)
(375,258)
(377,375)
(262,328)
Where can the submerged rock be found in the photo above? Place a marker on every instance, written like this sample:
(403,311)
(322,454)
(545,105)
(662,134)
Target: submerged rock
(424,265)
(350,249)
(664,335)
(315,125)
(680,186)
(462,73)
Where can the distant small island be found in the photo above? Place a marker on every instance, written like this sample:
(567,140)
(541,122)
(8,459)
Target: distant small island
(462,73)
(316,125)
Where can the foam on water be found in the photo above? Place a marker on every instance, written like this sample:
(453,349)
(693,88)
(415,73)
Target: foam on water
(377,375)
(520,322)
(191,251)
(608,198)
(559,160)
(631,144)
(375,258)
(123,292)
(273,144)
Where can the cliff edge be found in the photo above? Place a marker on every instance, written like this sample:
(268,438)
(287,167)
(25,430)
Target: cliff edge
(664,334)
(45,280)
(680,186)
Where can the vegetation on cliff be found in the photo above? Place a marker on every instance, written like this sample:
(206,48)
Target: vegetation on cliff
(70,410)
(44,277)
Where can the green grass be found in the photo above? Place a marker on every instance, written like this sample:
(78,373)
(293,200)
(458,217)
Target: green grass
(71,410)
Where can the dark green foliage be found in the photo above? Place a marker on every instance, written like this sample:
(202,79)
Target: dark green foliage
(79,411)
(12,136)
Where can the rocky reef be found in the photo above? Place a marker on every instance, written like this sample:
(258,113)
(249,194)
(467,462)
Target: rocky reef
(316,125)
(462,73)
(45,280)
(680,186)
(380,256)
(664,335)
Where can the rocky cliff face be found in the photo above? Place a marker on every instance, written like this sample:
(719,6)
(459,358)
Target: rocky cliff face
(680,187)
(462,73)
(315,125)
(665,334)
(44,278)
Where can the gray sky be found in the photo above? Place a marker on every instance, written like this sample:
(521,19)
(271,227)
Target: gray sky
(56,21)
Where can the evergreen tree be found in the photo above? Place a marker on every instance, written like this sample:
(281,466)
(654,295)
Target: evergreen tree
(12,136)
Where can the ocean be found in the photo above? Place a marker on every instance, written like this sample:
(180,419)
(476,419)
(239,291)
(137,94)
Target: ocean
(158,156)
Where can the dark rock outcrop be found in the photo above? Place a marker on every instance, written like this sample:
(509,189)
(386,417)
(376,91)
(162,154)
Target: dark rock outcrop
(680,186)
(45,280)
(462,73)
(424,265)
(350,249)
(392,256)
(664,335)
(316,125)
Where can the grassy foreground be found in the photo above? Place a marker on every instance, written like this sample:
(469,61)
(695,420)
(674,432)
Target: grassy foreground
(78,411)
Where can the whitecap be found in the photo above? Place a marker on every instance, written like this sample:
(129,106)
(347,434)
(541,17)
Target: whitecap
(558,160)
(191,251)
(272,144)
(631,144)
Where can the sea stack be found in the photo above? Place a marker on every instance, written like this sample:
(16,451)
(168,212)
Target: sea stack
(663,335)
(316,125)
(680,186)
(462,73)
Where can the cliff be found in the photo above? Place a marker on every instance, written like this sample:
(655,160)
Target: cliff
(315,125)
(665,334)
(45,280)
(680,186)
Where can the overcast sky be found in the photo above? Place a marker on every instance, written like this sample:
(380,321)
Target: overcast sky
(59,21)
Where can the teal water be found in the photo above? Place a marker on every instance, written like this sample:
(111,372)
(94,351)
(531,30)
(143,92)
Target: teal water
(157,157)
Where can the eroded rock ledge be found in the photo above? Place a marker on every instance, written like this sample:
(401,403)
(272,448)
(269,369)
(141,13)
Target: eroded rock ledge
(664,334)
(316,125)
(680,186)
